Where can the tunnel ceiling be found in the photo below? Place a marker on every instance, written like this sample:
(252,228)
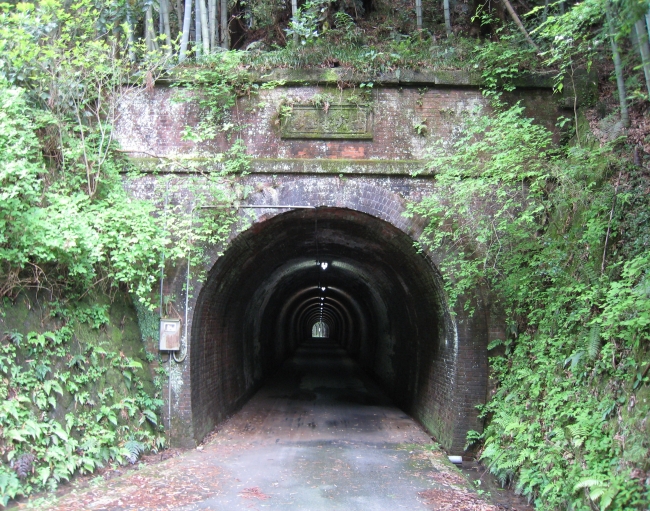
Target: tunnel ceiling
(262,297)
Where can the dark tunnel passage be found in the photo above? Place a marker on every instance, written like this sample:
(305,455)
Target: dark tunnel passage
(360,276)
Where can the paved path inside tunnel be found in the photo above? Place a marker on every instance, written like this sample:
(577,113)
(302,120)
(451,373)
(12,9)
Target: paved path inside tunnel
(320,435)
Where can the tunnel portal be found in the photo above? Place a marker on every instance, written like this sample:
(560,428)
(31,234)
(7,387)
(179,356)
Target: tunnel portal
(362,277)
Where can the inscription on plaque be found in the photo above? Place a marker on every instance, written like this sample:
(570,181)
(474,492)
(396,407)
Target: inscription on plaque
(337,122)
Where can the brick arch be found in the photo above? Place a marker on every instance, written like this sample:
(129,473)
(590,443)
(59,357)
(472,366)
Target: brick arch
(372,175)
(443,397)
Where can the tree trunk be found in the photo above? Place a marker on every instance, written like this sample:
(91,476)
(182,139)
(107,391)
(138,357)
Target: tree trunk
(197,28)
(644,49)
(618,67)
(164,16)
(185,37)
(205,28)
(225,37)
(445,5)
(519,24)
(212,21)
(418,13)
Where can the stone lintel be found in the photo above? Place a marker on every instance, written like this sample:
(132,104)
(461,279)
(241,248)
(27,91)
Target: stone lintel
(398,78)
(315,166)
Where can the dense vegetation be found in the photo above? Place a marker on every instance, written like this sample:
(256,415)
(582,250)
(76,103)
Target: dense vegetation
(560,247)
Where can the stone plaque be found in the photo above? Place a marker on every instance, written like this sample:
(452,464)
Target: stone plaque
(351,122)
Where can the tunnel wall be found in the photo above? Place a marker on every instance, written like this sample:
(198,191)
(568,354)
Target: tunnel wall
(440,389)
(151,124)
(444,376)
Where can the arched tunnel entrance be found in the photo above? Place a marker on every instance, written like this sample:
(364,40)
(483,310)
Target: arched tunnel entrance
(354,276)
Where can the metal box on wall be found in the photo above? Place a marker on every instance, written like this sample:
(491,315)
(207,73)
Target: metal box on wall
(170,334)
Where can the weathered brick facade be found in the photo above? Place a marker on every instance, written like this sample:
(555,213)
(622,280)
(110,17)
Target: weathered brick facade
(386,302)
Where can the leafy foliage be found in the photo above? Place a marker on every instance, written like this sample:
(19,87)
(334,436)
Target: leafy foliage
(305,26)
(68,226)
(527,222)
(58,415)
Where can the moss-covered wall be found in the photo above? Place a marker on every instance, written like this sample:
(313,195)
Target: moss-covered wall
(77,389)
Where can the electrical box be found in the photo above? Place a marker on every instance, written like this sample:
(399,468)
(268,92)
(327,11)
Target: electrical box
(170,334)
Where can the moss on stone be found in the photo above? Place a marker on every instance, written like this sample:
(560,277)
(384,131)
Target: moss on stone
(30,312)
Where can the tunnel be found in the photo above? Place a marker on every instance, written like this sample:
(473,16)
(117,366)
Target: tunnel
(327,272)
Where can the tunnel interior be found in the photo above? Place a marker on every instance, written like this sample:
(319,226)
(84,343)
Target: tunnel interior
(324,272)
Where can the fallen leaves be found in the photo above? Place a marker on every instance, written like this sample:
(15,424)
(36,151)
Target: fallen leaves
(169,489)
(253,493)
(455,500)
(448,478)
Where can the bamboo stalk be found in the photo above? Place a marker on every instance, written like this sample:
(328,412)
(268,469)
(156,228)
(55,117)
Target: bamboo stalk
(519,24)
(164,16)
(644,49)
(445,5)
(179,12)
(205,28)
(618,67)
(197,28)
(294,13)
(185,36)
(225,37)
(212,21)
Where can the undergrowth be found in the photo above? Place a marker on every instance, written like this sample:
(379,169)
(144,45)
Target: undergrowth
(552,235)
(406,52)
(69,405)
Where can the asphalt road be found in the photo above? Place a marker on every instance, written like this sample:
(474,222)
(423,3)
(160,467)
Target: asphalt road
(320,435)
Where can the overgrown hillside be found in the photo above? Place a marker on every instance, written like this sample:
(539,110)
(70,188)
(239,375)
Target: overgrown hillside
(562,251)
(78,391)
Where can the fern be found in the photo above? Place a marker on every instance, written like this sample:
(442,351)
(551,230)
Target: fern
(593,347)
(133,450)
(589,482)
(578,434)
(608,498)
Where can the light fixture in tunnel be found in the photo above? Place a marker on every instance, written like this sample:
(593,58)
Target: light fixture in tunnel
(324,265)
(323,288)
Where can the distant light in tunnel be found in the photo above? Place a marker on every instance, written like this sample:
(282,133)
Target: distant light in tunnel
(323,288)
(324,265)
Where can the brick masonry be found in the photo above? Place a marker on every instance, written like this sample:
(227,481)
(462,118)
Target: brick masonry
(387,306)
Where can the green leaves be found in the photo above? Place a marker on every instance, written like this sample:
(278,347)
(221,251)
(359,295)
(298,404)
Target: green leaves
(526,222)
(42,375)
